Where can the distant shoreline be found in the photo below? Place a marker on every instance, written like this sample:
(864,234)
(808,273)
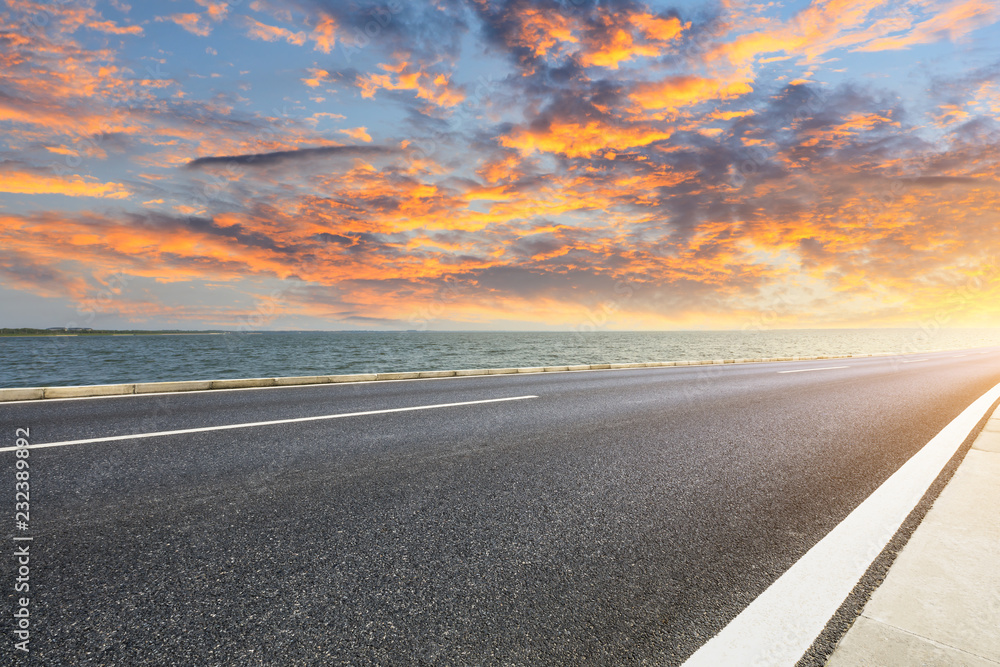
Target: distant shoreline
(58,334)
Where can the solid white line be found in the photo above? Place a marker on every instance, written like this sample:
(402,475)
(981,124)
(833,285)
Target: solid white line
(913,361)
(806,370)
(204,429)
(781,624)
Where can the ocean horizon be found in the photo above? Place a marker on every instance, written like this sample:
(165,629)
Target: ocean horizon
(82,360)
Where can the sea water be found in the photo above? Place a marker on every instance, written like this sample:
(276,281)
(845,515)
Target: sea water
(77,360)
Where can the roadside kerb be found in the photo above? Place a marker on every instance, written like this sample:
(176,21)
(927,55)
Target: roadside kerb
(437,374)
(89,390)
(357,377)
(242,383)
(398,376)
(292,381)
(939,602)
(22,394)
(157,387)
(37,393)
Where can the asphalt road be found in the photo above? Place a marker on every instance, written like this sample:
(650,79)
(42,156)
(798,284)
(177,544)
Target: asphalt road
(618,517)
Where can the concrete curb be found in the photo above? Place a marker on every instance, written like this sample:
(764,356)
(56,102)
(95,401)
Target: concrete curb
(37,393)
(938,603)
(151,387)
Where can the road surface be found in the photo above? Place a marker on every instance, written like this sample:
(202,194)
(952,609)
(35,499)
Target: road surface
(605,516)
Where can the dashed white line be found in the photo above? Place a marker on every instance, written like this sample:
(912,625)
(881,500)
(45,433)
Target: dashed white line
(956,356)
(204,429)
(806,370)
(913,361)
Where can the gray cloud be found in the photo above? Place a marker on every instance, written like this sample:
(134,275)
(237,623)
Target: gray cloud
(279,157)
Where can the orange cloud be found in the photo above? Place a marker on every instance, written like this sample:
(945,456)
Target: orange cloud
(113,28)
(270,33)
(359,133)
(619,46)
(605,38)
(950,113)
(217,9)
(436,88)
(500,168)
(22,182)
(543,32)
(200,24)
(657,28)
(317,78)
(622,37)
(681,91)
(196,24)
(325,34)
(581,138)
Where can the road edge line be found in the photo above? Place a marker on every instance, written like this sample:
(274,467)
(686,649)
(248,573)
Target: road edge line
(784,621)
(842,621)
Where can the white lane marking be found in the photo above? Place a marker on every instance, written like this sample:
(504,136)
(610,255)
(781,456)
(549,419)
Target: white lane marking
(806,370)
(913,361)
(955,356)
(781,624)
(204,429)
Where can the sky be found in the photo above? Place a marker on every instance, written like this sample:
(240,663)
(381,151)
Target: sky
(491,164)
